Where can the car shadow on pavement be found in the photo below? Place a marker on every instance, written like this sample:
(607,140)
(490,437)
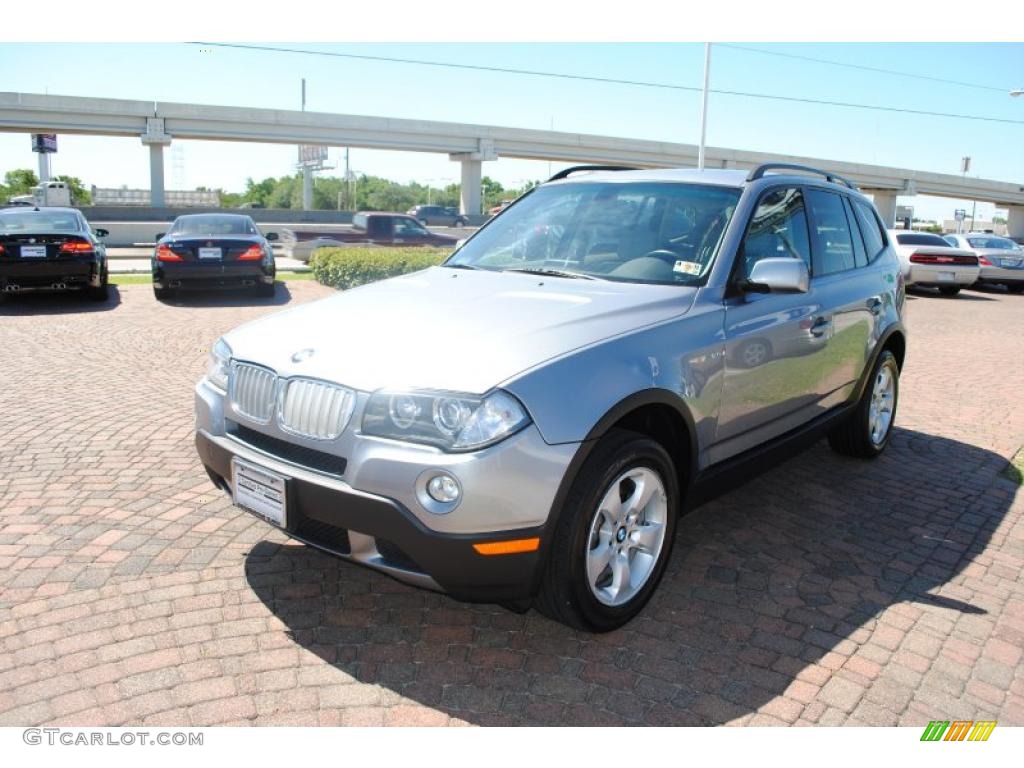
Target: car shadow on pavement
(56,303)
(913,292)
(771,588)
(230,298)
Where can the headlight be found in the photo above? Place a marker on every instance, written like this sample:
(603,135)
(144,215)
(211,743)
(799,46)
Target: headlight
(454,422)
(219,365)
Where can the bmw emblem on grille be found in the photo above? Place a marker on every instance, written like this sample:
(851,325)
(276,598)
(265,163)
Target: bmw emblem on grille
(302,354)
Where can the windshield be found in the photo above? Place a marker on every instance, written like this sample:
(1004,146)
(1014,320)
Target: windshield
(1000,243)
(39,222)
(921,239)
(213,225)
(650,232)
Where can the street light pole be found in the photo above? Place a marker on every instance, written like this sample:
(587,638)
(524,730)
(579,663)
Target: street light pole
(704,106)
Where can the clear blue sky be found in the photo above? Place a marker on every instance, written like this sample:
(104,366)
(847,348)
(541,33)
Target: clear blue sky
(181,72)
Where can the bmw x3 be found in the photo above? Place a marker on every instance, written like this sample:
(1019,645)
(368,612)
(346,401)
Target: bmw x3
(524,423)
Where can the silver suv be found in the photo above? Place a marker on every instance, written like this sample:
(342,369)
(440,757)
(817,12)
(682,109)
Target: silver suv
(524,423)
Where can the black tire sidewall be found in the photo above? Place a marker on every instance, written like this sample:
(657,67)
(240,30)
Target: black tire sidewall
(638,452)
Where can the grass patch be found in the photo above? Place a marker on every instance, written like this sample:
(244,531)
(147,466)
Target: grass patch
(1014,470)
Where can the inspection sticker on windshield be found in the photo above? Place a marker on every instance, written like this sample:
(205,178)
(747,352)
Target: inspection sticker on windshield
(687,267)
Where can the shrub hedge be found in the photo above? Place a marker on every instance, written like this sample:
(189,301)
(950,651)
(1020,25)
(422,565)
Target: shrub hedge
(352,266)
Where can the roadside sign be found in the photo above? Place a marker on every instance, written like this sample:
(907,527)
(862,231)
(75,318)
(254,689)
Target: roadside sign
(960,214)
(44,142)
(965,165)
(311,154)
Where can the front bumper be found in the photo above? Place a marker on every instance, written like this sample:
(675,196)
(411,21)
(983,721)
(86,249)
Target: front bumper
(196,275)
(360,491)
(380,533)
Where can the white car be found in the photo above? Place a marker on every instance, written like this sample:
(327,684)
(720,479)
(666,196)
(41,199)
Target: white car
(928,260)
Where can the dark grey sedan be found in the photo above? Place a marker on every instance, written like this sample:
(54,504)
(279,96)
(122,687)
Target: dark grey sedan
(438,216)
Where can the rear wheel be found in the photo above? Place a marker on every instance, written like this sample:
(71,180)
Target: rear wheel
(949,290)
(266,290)
(866,433)
(163,294)
(101,292)
(614,536)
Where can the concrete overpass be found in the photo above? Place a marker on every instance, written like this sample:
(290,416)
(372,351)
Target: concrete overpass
(156,124)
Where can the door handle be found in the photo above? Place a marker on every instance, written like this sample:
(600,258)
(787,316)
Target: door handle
(875,305)
(819,326)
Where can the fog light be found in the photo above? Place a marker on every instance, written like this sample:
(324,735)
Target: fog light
(444,489)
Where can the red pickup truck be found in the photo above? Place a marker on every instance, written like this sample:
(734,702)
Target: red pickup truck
(371,228)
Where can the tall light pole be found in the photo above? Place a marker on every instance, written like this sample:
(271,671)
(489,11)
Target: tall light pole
(307,169)
(704,106)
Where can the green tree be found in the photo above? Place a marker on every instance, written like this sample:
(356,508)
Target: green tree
(20,181)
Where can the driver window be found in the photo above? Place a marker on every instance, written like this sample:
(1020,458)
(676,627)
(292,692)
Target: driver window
(778,229)
(405,227)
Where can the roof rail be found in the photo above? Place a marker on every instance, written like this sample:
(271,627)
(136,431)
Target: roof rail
(760,171)
(580,168)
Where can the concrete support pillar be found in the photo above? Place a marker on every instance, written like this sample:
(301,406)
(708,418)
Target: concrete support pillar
(472,174)
(1015,220)
(885,202)
(307,188)
(156,175)
(156,138)
(44,166)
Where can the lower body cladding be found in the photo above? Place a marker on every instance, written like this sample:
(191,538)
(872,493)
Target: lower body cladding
(369,507)
(221,275)
(24,275)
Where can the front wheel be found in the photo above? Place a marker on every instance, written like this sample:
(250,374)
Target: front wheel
(949,290)
(866,433)
(614,536)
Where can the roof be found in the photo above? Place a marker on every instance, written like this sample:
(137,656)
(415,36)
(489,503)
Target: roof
(719,177)
(39,209)
(722,177)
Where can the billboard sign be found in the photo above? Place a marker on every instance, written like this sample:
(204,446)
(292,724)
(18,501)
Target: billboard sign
(312,154)
(44,142)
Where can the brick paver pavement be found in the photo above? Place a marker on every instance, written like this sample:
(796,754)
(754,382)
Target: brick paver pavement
(828,591)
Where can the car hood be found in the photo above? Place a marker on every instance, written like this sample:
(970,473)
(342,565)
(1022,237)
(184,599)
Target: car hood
(448,329)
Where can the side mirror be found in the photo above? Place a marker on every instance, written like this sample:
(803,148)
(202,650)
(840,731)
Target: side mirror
(784,275)
(271,236)
(101,232)
(160,236)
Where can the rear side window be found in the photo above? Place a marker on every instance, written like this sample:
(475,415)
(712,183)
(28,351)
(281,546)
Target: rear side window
(859,254)
(870,227)
(777,229)
(832,245)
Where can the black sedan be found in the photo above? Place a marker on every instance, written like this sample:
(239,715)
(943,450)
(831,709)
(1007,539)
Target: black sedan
(51,249)
(213,250)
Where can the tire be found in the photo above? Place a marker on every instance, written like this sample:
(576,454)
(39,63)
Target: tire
(460,223)
(163,294)
(628,462)
(265,290)
(859,436)
(101,293)
(949,290)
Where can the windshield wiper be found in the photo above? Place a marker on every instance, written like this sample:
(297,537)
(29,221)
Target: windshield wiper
(552,272)
(459,266)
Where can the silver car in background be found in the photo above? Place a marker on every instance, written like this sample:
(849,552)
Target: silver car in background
(1001,260)
(930,261)
(525,423)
